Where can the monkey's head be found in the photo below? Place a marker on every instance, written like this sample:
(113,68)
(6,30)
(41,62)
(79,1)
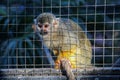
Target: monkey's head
(46,23)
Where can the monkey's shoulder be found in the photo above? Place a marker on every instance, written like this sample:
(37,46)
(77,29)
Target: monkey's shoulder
(69,24)
(72,27)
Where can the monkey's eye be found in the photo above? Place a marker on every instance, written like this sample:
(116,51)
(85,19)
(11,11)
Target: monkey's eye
(46,25)
(40,25)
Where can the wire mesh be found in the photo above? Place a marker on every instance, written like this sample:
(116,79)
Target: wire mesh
(21,49)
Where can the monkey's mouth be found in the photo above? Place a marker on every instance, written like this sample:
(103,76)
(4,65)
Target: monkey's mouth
(43,33)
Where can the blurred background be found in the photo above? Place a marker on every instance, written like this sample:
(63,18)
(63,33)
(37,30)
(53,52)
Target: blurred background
(100,19)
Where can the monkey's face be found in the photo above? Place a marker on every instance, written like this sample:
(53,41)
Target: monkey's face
(43,28)
(46,24)
(47,28)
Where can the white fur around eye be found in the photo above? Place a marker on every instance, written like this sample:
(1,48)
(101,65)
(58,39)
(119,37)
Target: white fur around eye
(38,28)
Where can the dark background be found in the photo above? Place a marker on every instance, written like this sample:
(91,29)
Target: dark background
(100,19)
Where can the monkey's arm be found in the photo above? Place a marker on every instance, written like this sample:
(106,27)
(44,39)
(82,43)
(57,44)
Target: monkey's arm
(47,53)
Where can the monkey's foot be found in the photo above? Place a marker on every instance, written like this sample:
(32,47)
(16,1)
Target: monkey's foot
(62,62)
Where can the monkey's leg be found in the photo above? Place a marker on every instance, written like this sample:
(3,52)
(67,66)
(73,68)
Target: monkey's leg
(69,55)
(68,58)
(65,65)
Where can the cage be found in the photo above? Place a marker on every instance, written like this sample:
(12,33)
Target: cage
(23,57)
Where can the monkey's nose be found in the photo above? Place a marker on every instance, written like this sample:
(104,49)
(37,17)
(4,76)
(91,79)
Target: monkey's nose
(43,32)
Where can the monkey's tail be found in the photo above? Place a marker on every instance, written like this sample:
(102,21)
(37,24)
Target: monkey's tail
(66,69)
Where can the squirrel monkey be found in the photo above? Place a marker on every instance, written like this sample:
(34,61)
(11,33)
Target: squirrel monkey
(66,39)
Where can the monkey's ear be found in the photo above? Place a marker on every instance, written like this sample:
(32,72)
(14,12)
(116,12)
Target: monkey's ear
(56,22)
(34,27)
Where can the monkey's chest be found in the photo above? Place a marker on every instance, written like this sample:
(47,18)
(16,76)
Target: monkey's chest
(53,44)
(61,42)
